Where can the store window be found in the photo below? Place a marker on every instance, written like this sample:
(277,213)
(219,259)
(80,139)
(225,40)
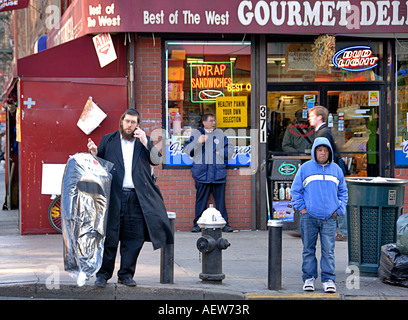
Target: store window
(294,62)
(350,89)
(207,77)
(401,143)
(353,119)
(289,131)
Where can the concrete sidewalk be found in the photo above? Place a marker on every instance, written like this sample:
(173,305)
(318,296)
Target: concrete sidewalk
(32,267)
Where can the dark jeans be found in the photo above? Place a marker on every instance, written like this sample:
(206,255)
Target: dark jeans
(203,192)
(132,236)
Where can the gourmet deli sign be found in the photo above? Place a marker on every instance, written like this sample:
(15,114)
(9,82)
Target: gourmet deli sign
(230,16)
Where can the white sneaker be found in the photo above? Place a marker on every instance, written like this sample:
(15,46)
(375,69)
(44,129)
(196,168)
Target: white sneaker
(309,284)
(329,286)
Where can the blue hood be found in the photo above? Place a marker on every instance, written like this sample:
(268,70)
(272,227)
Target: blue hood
(319,142)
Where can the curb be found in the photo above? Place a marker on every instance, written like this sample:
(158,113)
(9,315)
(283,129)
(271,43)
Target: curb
(291,296)
(115,291)
(316,296)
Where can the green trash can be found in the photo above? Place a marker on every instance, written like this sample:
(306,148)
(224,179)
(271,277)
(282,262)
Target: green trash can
(373,208)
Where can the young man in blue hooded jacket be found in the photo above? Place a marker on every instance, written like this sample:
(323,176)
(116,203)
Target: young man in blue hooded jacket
(319,192)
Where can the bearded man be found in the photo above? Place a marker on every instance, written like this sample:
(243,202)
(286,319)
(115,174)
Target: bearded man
(136,210)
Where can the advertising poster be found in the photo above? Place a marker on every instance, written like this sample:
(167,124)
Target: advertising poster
(283,210)
(232,112)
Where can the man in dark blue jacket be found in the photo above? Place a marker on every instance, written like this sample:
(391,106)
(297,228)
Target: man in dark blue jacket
(210,150)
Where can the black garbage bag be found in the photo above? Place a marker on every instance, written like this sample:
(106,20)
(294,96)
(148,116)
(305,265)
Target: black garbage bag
(393,266)
(85,196)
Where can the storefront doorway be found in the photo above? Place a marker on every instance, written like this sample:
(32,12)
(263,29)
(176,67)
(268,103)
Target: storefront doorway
(354,113)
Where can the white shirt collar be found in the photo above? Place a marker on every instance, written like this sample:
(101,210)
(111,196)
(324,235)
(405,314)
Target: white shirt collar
(127,153)
(318,127)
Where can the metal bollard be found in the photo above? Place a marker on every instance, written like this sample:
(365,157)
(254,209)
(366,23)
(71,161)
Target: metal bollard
(167,256)
(275,255)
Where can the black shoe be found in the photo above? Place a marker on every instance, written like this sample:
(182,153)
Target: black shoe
(100,282)
(227,228)
(127,282)
(196,228)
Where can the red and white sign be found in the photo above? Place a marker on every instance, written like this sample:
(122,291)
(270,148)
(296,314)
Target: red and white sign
(374,98)
(8,5)
(104,48)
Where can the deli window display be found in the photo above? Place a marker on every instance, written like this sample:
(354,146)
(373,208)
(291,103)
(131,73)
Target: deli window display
(353,119)
(350,87)
(207,77)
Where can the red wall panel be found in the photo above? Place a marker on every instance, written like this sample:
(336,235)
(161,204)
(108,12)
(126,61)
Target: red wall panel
(49,134)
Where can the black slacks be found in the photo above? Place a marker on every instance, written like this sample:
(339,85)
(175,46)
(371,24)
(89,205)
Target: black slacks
(133,232)
(203,192)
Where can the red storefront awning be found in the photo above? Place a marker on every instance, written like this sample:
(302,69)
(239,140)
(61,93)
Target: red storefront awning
(230,16)
(76,59)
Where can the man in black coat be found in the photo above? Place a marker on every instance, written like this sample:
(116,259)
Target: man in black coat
(136,209)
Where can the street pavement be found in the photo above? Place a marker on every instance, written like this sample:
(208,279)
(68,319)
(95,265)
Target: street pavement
(32,267)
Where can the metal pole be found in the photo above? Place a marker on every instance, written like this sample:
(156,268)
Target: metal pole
(167,256)
(275,255)
(130,42)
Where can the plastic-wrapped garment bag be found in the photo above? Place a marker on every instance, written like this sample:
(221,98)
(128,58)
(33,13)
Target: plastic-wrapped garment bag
(84,207)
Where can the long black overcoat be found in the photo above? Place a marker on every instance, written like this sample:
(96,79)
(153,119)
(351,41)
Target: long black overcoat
(149,195)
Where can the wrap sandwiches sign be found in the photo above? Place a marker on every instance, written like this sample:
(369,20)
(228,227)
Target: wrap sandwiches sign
(8,5)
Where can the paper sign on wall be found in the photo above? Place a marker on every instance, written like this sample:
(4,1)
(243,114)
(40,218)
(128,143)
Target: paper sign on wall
(104,48)
(91,117)
(232,111)
(52,175)
(374,98)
